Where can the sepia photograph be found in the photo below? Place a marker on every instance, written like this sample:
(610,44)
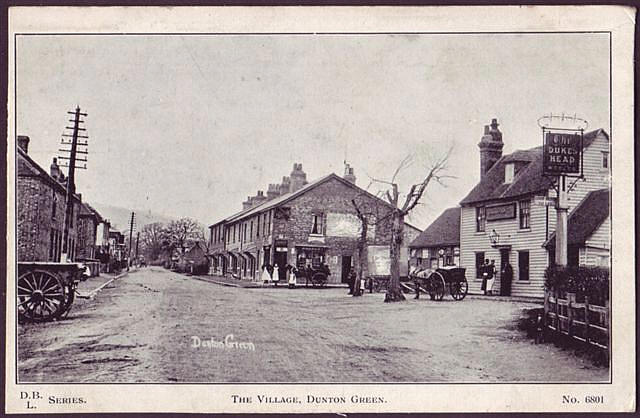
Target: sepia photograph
(276,208)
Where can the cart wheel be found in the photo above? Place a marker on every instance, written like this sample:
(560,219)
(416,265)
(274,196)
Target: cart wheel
(69,297)
(41,296)
(436,291)
(459,290)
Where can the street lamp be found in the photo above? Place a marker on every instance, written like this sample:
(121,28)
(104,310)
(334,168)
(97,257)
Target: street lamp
(494,237)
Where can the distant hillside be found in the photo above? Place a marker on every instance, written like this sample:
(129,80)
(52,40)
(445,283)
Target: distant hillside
(120,217)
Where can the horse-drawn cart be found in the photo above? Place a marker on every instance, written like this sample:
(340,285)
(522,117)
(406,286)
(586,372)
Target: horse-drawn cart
(437,282)
(318,277)
(46,290)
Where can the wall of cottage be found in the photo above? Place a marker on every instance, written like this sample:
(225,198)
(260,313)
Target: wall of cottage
(87,231)
(542,225)
(35,199)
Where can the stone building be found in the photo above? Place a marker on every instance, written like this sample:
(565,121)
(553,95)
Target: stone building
(506,217)
(88,242)
(41,200)
(300,223)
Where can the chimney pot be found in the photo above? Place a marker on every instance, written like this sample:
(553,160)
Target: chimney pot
(486,129)
(23,143)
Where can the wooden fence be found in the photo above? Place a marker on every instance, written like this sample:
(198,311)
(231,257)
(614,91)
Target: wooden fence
(578,320)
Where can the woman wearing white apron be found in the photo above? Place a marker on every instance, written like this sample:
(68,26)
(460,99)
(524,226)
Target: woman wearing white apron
(276,275)
(292,278)
(265,274)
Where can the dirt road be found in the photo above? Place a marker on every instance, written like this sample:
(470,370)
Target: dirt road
(158,326)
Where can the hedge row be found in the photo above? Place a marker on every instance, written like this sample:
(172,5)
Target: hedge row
(592,282)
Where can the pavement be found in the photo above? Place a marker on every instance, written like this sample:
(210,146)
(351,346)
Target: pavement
(157,326)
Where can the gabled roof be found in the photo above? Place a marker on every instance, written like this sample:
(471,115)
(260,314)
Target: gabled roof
(528,179)
(88,210)
(592,211)
(33,169)
(280,200)
(444,231)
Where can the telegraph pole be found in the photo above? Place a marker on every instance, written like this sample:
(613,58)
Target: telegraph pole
(71,186)
(137,242)
(133,216)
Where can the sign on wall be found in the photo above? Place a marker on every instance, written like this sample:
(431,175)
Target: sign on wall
(346,225)
(561,153)
(379,260)
(497,212)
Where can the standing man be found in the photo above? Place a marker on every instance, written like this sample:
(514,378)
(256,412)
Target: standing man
(484,273)
(506,276)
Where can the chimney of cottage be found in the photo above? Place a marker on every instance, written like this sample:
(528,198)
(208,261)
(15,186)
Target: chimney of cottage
(298,178)
(247,203)
(54,170)
(23,143)
(490,147)
(259,198)
(272,191)
(348,174)
(285,186)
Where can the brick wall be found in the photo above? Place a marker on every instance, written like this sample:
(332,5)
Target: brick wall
(330,197)
(87,228)
(35,220)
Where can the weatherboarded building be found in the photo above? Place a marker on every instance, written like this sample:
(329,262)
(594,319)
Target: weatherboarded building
(507,216)
(302,223)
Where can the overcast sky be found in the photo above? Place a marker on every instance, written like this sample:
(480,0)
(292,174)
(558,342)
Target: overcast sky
(192,125)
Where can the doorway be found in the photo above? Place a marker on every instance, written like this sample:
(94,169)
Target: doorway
(505,285)
(346,268)
(280,259)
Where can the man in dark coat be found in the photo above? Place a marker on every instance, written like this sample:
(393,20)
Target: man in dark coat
(484,273)
(506,276)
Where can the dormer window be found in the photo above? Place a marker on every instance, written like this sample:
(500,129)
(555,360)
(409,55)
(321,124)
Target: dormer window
(509,172)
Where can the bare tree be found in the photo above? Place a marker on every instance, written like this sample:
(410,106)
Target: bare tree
(184,232)
(400,207)
(152,237)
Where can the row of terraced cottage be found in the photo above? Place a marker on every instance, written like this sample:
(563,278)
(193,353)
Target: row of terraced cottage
(504,218)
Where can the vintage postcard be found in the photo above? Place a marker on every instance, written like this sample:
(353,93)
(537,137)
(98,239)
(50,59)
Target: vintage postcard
(337,209)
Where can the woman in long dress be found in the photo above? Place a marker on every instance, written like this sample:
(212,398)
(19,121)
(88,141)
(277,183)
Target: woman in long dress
(265,274)
(276,275)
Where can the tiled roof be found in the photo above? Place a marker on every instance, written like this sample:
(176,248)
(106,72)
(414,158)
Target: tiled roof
(445,230)
(87,210)
(528,179)
(586,218)
(292,195)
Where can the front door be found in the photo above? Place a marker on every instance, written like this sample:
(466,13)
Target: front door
(346,268)
(280,258)
(505,287)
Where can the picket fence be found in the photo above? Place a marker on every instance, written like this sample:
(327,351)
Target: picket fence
(579,320)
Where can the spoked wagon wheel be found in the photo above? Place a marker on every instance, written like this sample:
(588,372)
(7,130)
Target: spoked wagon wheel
(69,296)
(41,296)
(459,289)
(319,279)
(437,286)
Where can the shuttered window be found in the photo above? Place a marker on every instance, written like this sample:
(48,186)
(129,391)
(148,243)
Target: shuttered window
(523,265)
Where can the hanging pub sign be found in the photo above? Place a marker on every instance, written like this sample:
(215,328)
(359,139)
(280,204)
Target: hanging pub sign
(498,212)
(562,153)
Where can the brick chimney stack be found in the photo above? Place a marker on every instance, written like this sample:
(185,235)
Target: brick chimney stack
(23,143)
(285,186)
(490,147)
(272,191)
(247,203)
(348,174)
(298,177)
(54,169)
(259,198)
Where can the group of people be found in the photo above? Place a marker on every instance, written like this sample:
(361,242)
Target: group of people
(271,273)
(358,290)
(488,272)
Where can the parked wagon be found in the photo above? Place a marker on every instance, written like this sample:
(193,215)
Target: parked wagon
(437,282)
(318,277)
(46,290)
